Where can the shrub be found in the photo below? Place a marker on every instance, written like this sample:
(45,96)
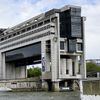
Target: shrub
(34,72)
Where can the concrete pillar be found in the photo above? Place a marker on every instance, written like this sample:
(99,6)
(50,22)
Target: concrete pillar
(44,85)
(76,65)
(98,74)
(1,74)
(48,69)
(54,59)
(69,65)
(82,66)
(83,63)
(55,86)
(43,55)
(2,66)
(63,66)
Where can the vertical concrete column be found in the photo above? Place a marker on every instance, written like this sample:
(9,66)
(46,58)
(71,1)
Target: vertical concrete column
(76,64)
(48,62)
(83,63)
(3,64)
(43,62)
(69,65)
(55,86)
(63,66)
(1,76)
(82,66)
(54,59)
(44,85)
(43,55)
(55,64)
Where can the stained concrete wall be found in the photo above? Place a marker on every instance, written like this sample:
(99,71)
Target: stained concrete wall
(91,87)
(31,84)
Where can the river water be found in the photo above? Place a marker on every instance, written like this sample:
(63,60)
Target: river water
(39,96)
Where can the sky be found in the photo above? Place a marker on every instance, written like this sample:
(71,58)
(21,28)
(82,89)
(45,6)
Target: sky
(13,12)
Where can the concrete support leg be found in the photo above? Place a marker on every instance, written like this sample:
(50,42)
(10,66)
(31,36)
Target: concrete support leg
(45,86)
(74,85)
(55,87)
(43,55)
(2,66)
(83,66)
(76,65)
(54,60)
(69,65)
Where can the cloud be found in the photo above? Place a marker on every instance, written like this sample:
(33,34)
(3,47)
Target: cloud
(13,12)
(92,30)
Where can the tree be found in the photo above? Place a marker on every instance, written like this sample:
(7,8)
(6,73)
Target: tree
(92,67)
(34,72)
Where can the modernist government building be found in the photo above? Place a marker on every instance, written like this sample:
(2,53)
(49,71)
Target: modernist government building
(54,38)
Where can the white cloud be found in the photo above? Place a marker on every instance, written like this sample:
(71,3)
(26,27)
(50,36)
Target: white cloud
(13,12)
(92,30)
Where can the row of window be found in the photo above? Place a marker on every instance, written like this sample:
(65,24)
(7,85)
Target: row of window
(26,29)
(27,40)
(73,47)
(29,33)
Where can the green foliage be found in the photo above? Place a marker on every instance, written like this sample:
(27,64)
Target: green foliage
(92,67)
(34,72)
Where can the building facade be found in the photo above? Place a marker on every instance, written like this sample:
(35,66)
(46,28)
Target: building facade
(54,38)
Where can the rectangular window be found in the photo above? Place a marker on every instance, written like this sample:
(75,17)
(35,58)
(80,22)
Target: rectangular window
(22,31)
(40,24)
(18,33)
(72,45)
(14,34)
(61,45)
(67,71)
(79,47)
(76,11)
(47,21)
(29,28)
(34,26)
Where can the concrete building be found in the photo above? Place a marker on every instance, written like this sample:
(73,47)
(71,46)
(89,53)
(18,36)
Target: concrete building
(54,38)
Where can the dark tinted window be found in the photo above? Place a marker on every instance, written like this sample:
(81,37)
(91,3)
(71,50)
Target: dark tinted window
(61,45)
(34,26)
(23,31)
(70,23)
(25,52)
(72,46)
(75,12)
(29,28)
(47,21)
(40,24)
(79,46)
